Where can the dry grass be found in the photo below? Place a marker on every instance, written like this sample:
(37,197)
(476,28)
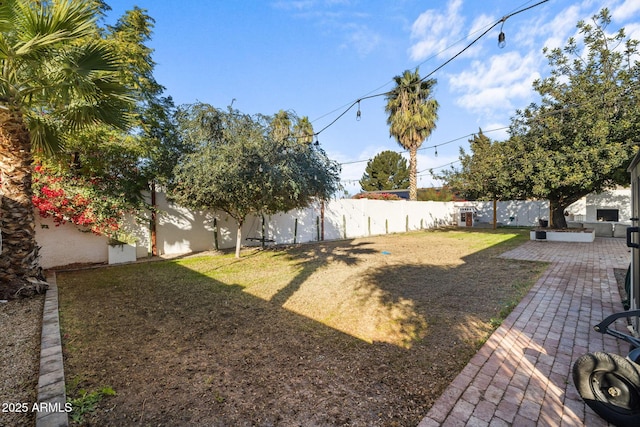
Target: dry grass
(357,332)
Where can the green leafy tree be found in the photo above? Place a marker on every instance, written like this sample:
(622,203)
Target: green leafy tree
(484,173)
(582,135)
(578,140)
(243,165)
(412,115)
(386,171)
(58,76)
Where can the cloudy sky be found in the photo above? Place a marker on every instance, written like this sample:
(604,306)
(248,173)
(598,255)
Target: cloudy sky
(317,57)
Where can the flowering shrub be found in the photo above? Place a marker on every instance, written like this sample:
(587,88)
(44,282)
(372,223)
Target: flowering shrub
(377,196)
(67,198)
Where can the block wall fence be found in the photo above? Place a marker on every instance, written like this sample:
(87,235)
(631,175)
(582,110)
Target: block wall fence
(181,231)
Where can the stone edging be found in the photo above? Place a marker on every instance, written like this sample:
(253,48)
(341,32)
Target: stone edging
(51,386)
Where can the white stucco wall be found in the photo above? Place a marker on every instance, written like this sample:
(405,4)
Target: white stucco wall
(585,209)
(527,213)
(619,199)
(66,244)
(517,213)
(181,231)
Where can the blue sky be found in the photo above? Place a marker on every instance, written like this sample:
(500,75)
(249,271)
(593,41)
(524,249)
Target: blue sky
(316,57)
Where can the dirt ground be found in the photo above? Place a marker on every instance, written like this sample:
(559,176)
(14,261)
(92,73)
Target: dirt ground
(20,330)
(189,343)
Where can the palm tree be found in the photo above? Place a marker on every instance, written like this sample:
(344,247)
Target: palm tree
(412,117)
(57,77)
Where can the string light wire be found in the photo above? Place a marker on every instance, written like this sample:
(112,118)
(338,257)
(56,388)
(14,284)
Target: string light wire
(438,68)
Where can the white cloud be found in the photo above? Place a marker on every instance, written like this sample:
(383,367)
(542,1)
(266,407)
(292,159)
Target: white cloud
(626,10)
(361,38)
(436,31)
(632,31)
(480,24)
(491,86)
(540,32)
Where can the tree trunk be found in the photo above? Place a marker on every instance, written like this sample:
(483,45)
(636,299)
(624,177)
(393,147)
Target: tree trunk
(495,213)
(239,239)
(558,219)
(154,221)
(413,178)
(19,253)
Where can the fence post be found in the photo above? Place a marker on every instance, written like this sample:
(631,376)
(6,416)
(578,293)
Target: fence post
(318,227)
(322,220)
(406,225)
(215,233)
(386,226)
(344,226)
(369,225)
(295,232)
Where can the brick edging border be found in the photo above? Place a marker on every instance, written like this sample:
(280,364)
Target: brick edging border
(51,385)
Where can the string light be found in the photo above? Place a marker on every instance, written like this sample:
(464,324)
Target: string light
(474,41)
(434,146)
(501,37)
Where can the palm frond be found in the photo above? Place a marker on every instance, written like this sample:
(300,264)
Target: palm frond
(108,110)
(45,133)
(96,56)
(48,23)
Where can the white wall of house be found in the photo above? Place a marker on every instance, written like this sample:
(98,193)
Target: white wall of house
(585,210)
(619,199)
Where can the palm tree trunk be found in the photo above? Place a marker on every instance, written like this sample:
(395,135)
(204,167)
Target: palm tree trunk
(413,178)
(19,253)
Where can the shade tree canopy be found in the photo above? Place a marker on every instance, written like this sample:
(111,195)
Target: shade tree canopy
(243,164)
(484,172)
(581,135)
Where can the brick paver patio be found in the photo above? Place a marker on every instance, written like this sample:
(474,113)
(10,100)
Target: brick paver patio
(522,375)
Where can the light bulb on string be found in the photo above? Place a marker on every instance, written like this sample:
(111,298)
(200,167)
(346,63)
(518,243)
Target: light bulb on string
(436,153)
(502,42)
(358,113)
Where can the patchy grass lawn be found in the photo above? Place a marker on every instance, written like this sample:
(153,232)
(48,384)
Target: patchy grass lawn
(357,332)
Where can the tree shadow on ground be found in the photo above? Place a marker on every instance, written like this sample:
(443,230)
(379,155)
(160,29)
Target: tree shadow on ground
(215,355)
(312,257)
(182,348)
